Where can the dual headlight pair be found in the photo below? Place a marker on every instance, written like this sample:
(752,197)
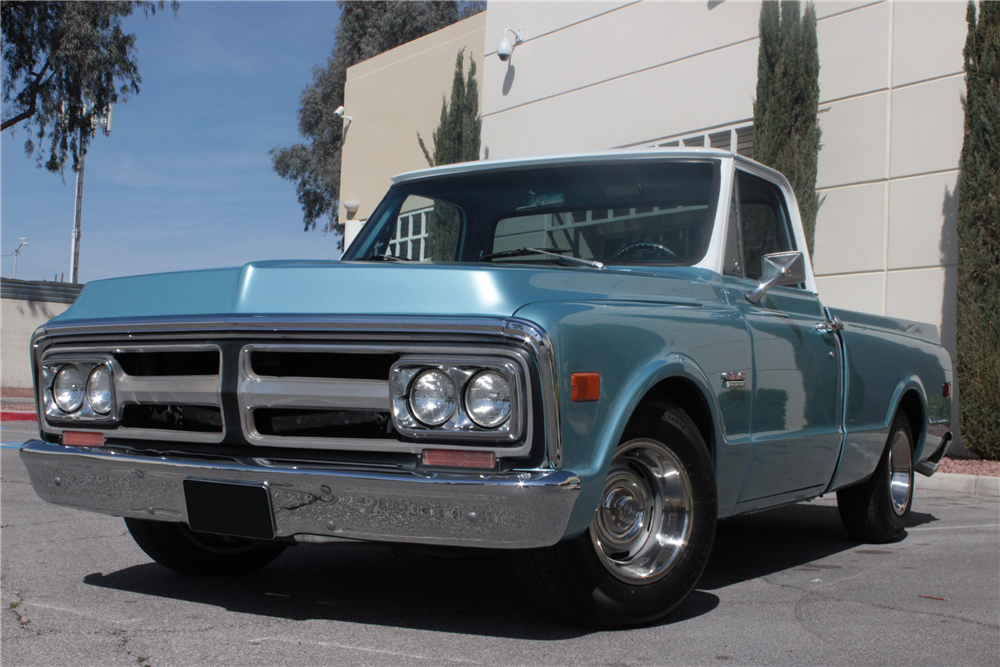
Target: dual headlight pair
(475,397)
(434,398)
(77,388)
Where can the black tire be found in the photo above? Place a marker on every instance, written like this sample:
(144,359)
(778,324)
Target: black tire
(175,546)
(876,511)
(581,581)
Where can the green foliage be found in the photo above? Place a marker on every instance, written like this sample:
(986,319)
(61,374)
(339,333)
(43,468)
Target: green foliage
(786,131)
(456,139)
(64,64)
(978,308)
(366,29)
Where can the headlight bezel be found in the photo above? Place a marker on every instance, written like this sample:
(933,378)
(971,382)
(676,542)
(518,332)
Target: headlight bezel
(85,412)
(461,370)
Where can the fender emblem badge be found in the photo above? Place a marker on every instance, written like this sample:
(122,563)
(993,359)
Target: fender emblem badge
(734,380)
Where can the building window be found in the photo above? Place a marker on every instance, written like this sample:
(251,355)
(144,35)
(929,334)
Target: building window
(738,138)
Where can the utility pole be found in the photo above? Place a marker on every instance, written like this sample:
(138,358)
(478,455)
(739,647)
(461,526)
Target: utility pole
(74,261)
(74,265)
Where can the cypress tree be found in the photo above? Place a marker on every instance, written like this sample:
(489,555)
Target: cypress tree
(786,130)
(456,139)
(978,302)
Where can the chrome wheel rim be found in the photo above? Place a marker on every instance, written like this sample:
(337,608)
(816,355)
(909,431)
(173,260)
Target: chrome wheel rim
(643,523)
(900,472)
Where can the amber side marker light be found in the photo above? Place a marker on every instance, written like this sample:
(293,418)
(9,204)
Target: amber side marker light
(83,438)
(457,458)
(585,387)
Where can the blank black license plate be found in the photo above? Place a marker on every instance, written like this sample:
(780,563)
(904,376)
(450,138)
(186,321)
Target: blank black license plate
(243,510)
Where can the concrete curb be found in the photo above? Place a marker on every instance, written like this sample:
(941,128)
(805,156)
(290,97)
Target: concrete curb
(979,485)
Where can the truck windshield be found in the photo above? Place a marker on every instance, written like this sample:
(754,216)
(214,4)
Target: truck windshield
(651,212)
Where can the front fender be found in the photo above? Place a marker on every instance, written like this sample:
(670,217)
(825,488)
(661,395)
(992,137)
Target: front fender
(634,347)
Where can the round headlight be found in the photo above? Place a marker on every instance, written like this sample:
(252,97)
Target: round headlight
(432,397)
(487,399)
(99,390)
(68,388)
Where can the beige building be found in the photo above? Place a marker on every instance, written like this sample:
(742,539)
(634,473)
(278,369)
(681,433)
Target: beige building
(26,305)
(600,75)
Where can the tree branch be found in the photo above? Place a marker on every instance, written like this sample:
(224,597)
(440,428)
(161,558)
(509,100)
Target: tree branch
(34,89)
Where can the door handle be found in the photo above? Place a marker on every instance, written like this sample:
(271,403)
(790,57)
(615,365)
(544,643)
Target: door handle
(832,325)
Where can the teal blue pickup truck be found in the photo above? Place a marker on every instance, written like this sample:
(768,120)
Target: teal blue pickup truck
(585,360)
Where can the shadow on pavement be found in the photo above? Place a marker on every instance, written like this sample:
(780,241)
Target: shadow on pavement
(757,545)
(475,596)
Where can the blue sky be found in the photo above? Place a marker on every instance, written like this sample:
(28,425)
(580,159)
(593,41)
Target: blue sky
(185,179)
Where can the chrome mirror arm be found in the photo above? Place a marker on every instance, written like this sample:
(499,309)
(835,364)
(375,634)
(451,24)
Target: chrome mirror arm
(758,292)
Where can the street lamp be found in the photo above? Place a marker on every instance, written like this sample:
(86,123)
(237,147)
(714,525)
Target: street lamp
(17,252)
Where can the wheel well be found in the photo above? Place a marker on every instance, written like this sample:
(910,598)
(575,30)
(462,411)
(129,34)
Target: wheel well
(689,398)
(911,406)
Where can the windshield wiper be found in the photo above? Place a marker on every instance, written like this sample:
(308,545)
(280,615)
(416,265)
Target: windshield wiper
(385,258)
(521,252)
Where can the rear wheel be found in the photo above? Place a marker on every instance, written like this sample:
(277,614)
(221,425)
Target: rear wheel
(651,536)
(175,546)
(876,511)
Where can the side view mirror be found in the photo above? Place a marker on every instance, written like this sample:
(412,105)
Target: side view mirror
(778,268)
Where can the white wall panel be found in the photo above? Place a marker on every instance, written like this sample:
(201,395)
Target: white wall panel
(927,126)
(922,217)
(850,230)
(863,66)
(612,45)
(919,295)
(655,103)
(861,292)
(836,7)
(928,40)
(854,141)
(539,18)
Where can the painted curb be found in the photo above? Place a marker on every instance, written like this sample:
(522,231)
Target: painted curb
(12,416)
(979,485)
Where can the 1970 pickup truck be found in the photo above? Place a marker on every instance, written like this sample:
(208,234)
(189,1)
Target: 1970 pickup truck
(584,359)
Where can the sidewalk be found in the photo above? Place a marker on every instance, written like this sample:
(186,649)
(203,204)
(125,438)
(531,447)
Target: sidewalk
(17,405)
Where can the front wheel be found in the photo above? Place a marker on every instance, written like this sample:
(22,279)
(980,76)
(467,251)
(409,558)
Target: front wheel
(651,536)
(876,511)
(183,550)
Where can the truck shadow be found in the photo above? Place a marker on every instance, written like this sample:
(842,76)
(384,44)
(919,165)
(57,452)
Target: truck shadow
(475,595)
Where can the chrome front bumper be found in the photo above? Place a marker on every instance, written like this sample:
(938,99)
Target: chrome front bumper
(506,511)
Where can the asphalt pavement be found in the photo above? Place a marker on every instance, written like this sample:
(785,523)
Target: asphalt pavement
(784,587)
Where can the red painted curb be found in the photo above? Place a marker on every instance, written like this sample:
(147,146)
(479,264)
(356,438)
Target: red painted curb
(11,416)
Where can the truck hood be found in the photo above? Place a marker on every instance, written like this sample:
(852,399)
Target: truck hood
(369,288)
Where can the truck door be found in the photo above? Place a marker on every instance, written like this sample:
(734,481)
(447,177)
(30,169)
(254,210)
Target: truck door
(796,399)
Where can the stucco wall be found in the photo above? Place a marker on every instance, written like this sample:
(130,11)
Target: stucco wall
(18,320)
(392,97)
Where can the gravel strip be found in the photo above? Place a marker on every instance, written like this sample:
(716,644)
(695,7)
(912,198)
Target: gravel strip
(970,467)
